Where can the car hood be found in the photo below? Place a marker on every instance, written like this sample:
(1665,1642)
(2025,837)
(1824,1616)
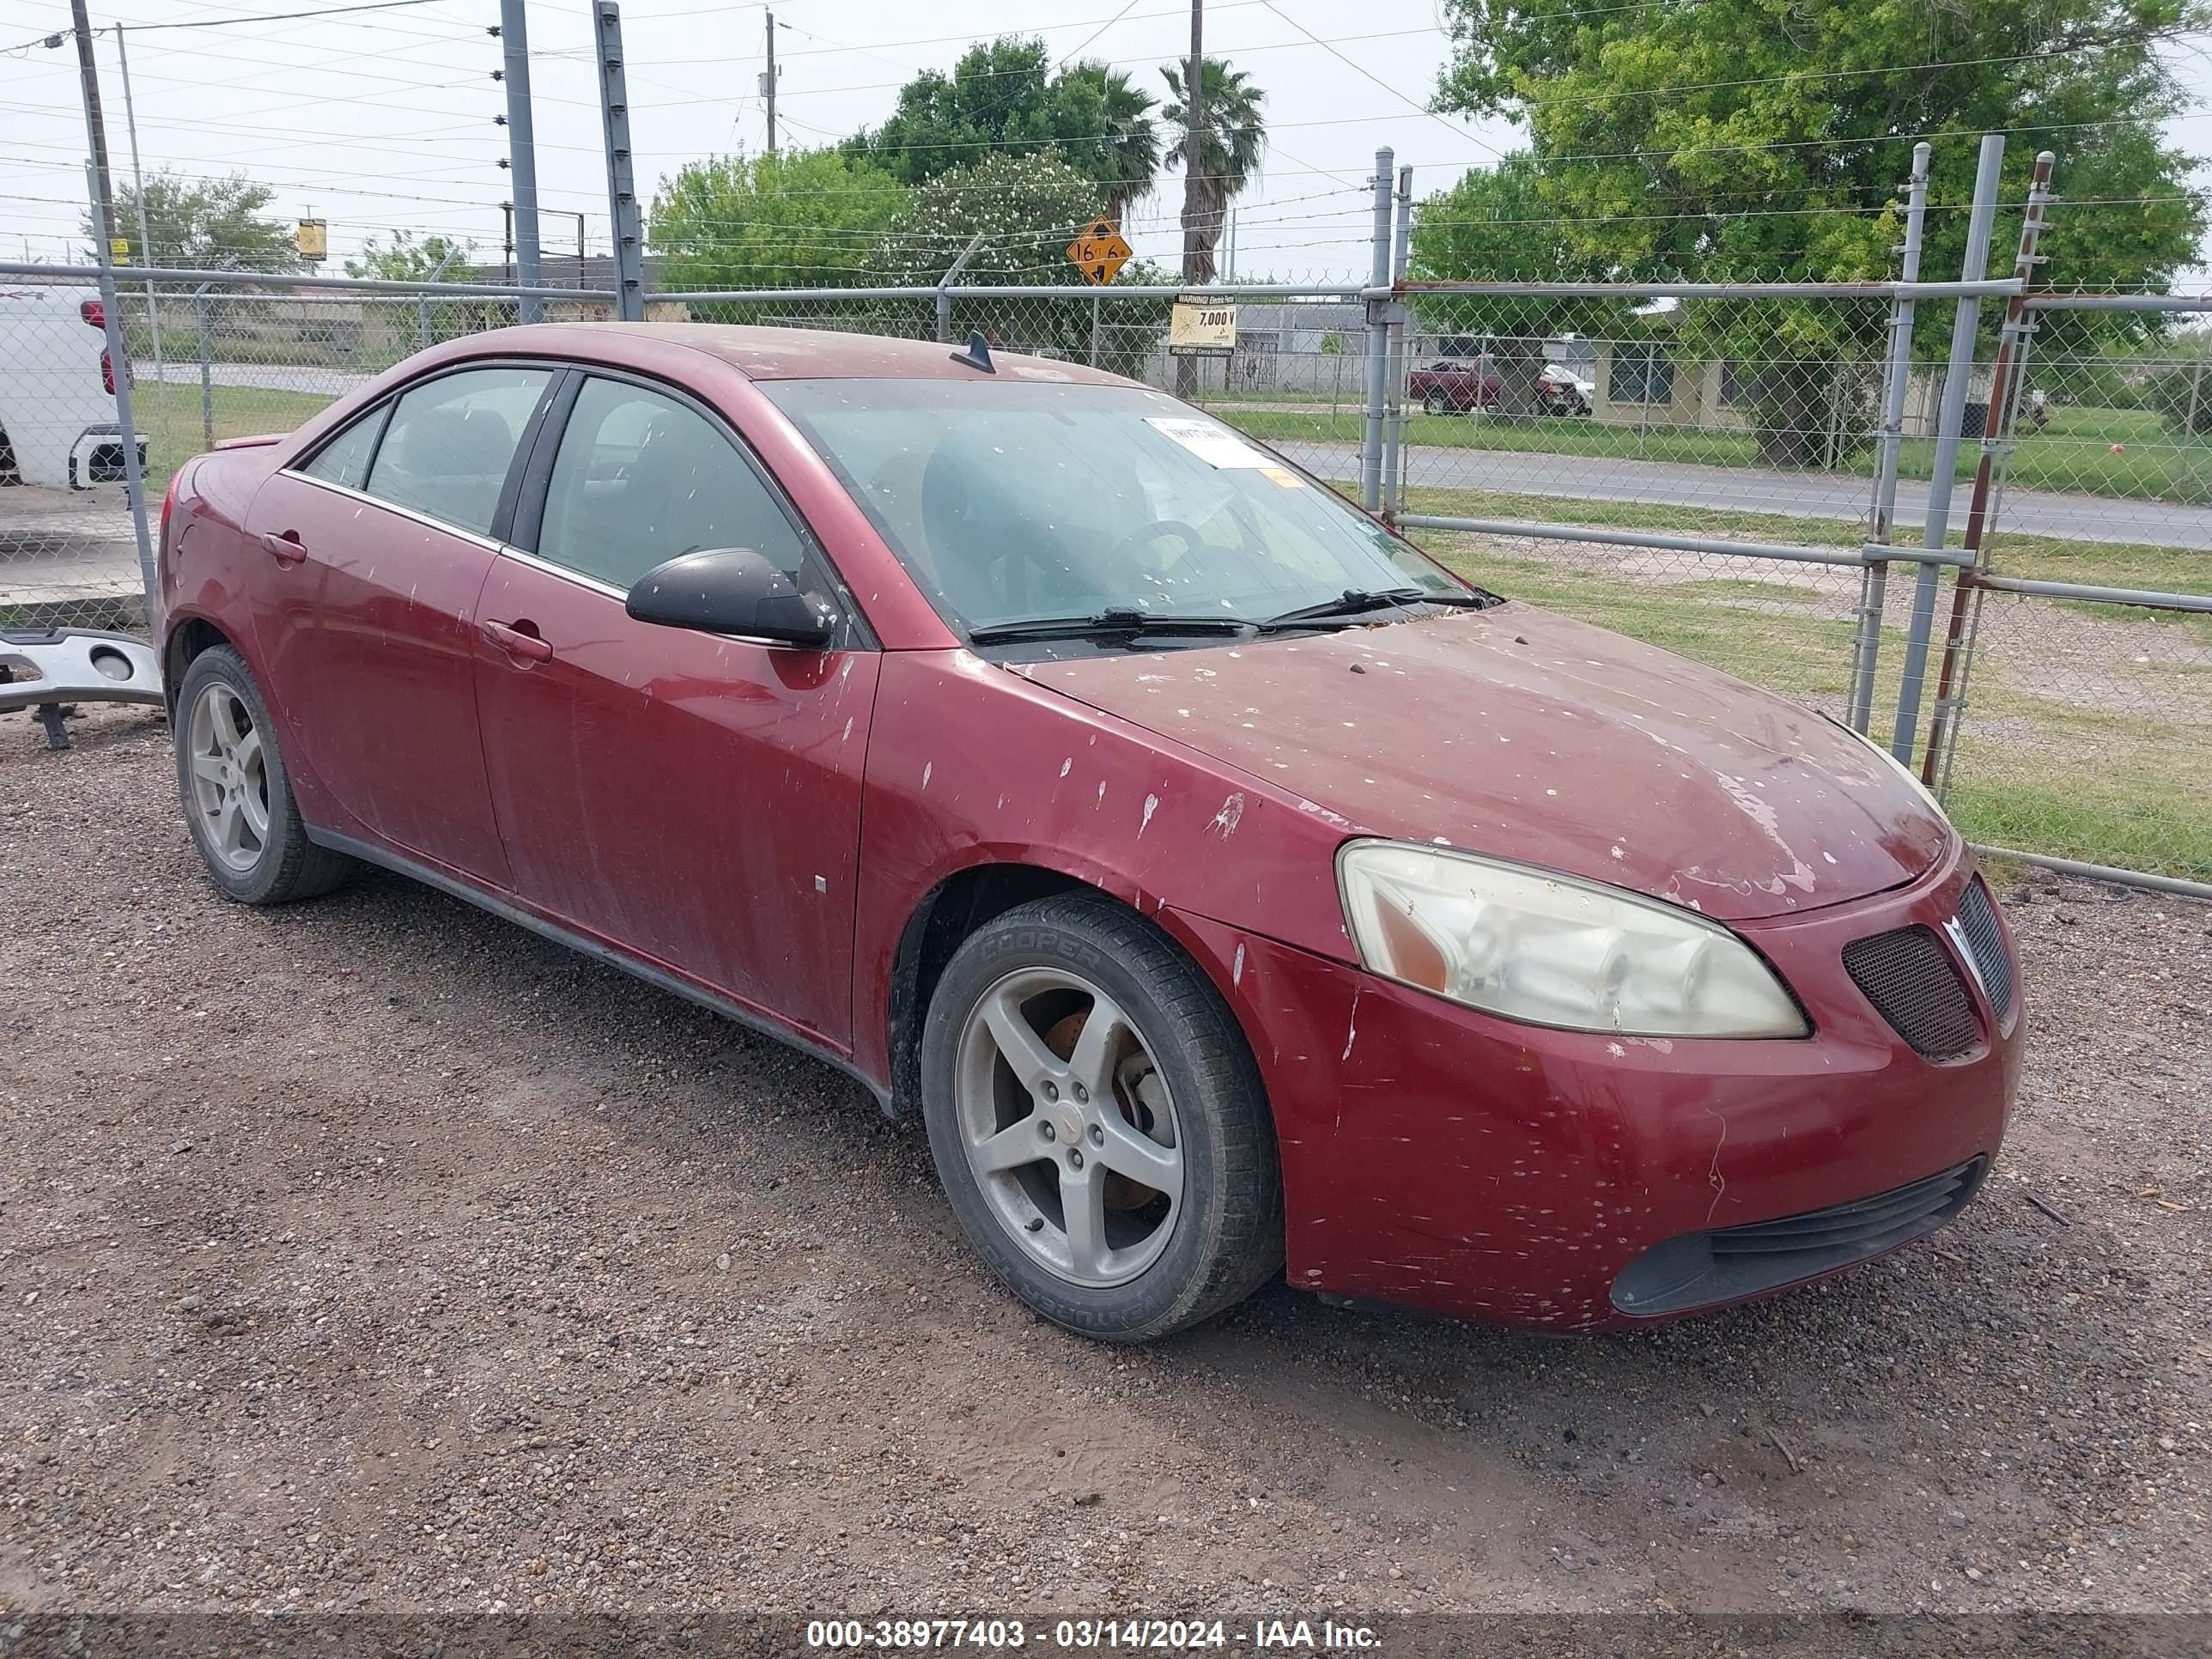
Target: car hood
(1525,735)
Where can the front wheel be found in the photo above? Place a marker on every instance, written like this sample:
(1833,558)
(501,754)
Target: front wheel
(1098,1121)
(1436,404)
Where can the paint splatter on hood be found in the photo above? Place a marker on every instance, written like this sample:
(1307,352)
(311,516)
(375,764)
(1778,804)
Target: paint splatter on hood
(1526,735)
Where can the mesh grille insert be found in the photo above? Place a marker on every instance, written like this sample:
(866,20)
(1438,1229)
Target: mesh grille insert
(1977,921)
(1911,979)
(1699,1269)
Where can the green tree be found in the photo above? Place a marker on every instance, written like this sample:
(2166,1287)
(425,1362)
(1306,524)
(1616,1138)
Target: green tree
(1026,208)
(1234,139)
(203,224)
(405,259)
(1124,156)
(1745,138)
(1492,225)
(795,219)
(1003,98)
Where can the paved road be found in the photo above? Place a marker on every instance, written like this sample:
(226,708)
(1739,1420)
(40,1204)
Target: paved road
(304,378)
(1746,489)
(1578,477)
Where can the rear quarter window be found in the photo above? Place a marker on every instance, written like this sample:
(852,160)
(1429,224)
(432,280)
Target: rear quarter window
(451,441)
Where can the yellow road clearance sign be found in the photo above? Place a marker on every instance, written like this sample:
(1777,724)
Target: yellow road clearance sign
(1099,251)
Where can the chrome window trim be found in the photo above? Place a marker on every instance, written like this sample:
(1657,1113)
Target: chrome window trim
(363,496)
(574,578)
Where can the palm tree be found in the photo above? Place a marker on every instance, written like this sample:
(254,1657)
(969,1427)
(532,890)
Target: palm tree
(1127,154)
(1236,134)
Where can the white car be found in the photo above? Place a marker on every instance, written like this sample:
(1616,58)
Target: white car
(58,424)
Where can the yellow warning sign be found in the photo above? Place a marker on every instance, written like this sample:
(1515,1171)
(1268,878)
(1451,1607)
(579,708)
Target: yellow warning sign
(1099,251)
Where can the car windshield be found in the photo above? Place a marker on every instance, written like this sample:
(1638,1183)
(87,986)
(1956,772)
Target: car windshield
(1013,500)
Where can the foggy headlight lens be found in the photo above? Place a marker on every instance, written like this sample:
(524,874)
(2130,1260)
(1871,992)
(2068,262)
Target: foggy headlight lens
(1552,950)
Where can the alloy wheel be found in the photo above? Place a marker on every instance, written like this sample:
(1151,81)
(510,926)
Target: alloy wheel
(229,777)
(1069,1127)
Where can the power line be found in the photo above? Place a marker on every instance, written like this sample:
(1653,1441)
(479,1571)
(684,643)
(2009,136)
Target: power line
(1418,108)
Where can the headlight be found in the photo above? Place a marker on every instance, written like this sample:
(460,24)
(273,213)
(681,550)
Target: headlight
(1553,951)
(1927,798)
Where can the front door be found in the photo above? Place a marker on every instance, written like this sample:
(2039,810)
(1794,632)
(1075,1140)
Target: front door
(692,799)
(386,535)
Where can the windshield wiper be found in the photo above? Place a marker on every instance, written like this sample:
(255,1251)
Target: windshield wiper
(1357,601)
(1114,621)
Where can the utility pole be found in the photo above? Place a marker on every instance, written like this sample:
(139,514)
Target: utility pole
(768,83)
(622,185)
(138,190)
(1196,258)
(522,155)
(96,124)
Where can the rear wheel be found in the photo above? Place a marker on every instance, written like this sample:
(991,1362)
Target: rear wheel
(236,796)
(1098,1122)
(1436,404)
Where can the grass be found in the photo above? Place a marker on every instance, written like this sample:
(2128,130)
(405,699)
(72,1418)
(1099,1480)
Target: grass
(2130,787)
(170,417)
(2072,455)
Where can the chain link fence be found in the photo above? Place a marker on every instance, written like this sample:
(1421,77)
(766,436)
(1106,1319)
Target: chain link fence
(203,361)
(1781,480)
(2076,715)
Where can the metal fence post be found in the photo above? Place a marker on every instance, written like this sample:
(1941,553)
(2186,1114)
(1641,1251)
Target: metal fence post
(207,366)
(1950,422)
(1874,590)
(1095,325)
(1394,431)
(1370,434)
(118,358)
(2005,380)
(423,301)
(945,287)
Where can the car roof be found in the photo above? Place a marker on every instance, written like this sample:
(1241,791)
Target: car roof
(811,354)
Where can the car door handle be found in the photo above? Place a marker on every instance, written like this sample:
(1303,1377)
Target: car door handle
(519,641)
(283,547)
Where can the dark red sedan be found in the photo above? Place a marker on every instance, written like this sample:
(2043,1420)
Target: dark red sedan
(1230,889)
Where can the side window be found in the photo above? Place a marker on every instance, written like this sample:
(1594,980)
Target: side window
(344,460)
(641,479)
(451,441)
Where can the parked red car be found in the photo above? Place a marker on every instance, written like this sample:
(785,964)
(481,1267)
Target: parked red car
(1228,886)
(1455,385)
(1460,386)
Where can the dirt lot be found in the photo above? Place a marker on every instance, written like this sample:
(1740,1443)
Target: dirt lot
(374,1253)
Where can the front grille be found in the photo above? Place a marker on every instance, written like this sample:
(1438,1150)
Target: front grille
(1978,921)
(1913,984)
(1699,1269)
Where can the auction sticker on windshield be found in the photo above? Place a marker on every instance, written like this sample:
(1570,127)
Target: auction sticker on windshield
(1217,446)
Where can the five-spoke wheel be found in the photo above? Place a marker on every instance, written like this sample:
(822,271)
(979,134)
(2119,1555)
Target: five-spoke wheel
(1098,1121)
(229,776)
(238,798)
(1069,1127)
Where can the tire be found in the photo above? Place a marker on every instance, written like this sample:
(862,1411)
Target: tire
(1436,404)
(237,798)
(1149,1259)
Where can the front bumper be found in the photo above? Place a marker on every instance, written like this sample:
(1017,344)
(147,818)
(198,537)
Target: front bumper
(1440,1158)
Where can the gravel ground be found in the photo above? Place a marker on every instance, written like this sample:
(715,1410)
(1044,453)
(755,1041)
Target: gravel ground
(375,1255)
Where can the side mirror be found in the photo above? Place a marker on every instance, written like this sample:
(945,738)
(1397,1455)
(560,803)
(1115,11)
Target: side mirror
(730,590)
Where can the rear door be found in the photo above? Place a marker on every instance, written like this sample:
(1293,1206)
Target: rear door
(690,798)
(379,544)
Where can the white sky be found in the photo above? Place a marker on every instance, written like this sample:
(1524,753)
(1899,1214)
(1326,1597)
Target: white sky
(384,120)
